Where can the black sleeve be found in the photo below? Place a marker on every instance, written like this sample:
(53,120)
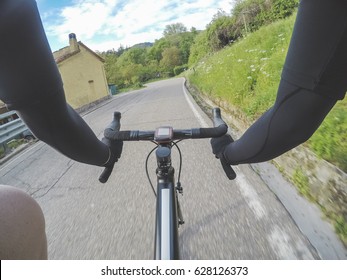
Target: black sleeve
(314,77)
(31,84)
(295,116)
(317,54)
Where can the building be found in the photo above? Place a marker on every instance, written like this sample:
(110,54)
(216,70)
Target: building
(82,72)
(3,108)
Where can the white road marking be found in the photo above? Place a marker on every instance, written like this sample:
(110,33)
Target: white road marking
(201,120)
(250,194)
(246,188)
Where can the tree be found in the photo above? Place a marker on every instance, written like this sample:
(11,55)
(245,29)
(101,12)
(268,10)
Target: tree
(171,58)
(199,49)
(155,52)
(132,73)
(185,43)
(174,28)
(110,67)
(120,50)
(133,55)
(194,31)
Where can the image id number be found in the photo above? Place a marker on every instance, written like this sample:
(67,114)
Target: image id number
(234,270)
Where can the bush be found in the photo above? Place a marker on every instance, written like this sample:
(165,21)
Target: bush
(250,15)
(220,31)
(179,69)
(199,49)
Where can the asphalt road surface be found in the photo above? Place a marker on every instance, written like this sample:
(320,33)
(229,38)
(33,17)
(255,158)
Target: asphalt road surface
(240,219)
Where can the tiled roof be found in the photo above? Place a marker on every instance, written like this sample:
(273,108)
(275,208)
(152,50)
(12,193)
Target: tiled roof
(65,53)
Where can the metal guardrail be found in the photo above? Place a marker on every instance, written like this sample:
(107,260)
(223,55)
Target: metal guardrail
(7,114)
(11,130)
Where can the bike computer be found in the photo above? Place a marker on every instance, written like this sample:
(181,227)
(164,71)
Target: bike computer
(163,134)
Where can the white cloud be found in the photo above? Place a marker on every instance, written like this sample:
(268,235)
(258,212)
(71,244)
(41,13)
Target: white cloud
(84,18)
(107,24)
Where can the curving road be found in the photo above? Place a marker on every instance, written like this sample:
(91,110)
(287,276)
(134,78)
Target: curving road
(241,219)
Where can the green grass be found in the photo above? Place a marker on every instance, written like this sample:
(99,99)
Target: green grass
(330,140)
(13,144)
(341,228)
(247,75)
(301,181)
(2,152)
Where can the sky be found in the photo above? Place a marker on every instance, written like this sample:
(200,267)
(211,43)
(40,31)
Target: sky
(108,24)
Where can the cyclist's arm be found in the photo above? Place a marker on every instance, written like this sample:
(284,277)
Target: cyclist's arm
(314,77)
(295,116)
(31,84)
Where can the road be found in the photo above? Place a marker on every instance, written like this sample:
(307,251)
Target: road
(240,219)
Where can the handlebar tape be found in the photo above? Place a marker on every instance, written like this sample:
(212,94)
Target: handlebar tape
(118,135)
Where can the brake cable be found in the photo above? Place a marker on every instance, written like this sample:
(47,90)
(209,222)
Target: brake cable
(146,166)
(179,169)
(180,155)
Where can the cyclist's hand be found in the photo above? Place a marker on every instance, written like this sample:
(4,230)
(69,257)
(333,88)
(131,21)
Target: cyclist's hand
(116,148)
(219,144)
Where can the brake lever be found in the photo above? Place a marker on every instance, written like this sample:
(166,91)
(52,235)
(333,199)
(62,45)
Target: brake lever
(229,171)
(217,121)
(106,174)
(114,126)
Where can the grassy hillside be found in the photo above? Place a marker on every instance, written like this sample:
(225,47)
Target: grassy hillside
(247,75)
